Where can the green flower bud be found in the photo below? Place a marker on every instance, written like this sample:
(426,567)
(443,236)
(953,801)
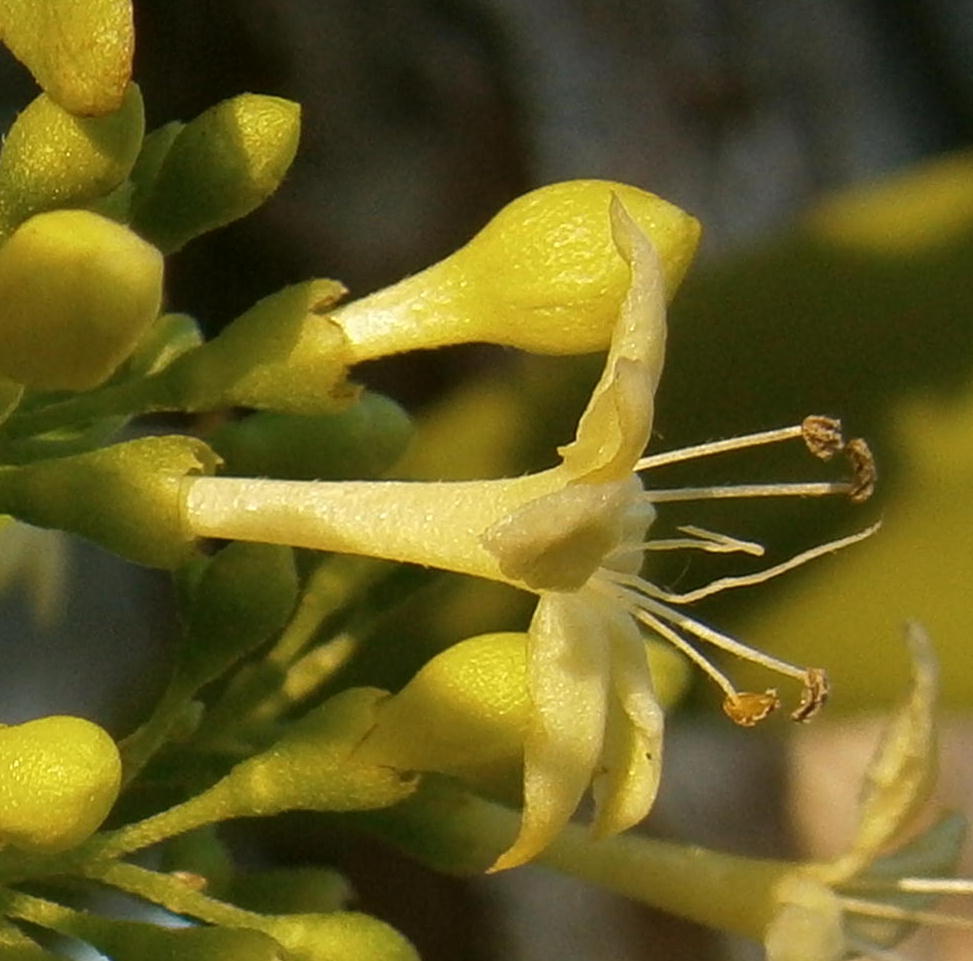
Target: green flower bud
(244,596)
(543,275)
(77,291)
(79,51)
(362,441)
(467,711)
(127,498)
(54,159)
(284,353)
(341,936)
(220,166)
(59,777)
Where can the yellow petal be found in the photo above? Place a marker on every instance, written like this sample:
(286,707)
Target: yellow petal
(568,676)
(631,763)
(616,424)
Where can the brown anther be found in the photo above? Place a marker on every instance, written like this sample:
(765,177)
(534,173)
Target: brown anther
(822,435)
(193,881)
(815,693)
(863,470)
(748,708)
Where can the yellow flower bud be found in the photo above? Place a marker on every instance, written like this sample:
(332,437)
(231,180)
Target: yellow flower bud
(79,51)
(338,936)
(54,159)
(59,777)
(77,291)
(543,275)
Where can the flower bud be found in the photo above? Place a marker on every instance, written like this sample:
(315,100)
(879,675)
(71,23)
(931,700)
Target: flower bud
(362,441)
(77,291)
(220,166)
(543,275)
(127,497)
(80,53)
(54,159)
(59,777)
(339,936)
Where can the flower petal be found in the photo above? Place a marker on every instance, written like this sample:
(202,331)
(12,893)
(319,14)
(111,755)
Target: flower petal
(616,424)
(568,674)
(631,761)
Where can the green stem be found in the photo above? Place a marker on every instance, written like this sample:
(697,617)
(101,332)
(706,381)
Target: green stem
(44,913)
(142,744)
(335,583)
(173,894)
(460,833)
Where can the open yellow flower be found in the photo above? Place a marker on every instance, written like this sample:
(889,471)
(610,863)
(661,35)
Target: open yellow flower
(575,536)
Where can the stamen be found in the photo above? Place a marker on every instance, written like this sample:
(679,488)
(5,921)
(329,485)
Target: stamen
(822,435)
(816,489)
(814,695)
(749,708)
(935,885)
(682,645)
(721,446)
(892,912)
(700,539)
(742,707)
(943,886)
(863,470)
(643,606)
(758,577)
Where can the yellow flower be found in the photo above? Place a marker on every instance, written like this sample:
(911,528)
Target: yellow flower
(575,536)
